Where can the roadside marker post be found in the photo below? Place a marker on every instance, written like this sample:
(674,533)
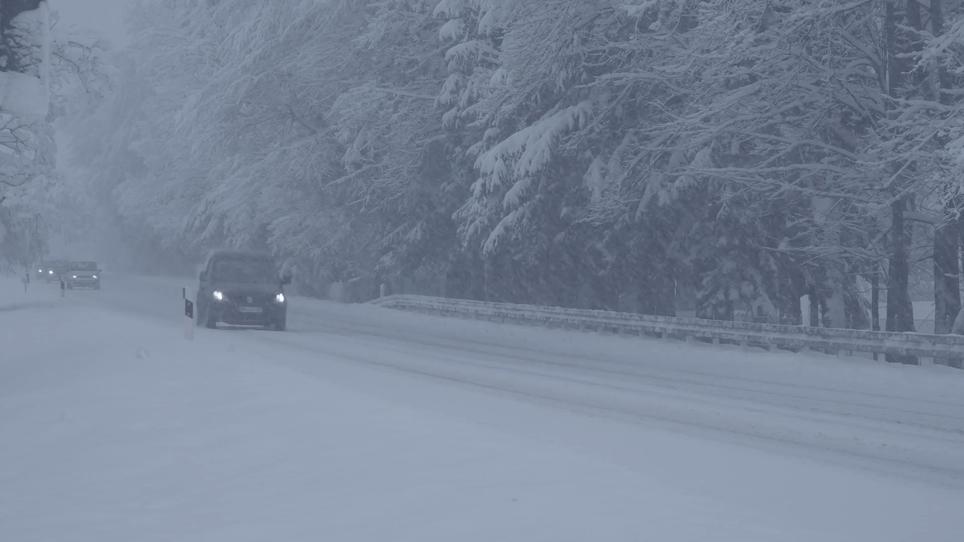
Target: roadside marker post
(188,316)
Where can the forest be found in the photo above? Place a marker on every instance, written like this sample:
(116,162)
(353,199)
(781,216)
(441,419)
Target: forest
(717,158)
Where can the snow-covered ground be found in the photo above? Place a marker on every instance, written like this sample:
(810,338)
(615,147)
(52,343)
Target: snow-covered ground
(365,424)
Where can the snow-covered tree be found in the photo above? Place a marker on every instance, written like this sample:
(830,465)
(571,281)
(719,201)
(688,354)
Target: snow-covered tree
(731,155)
(26,141)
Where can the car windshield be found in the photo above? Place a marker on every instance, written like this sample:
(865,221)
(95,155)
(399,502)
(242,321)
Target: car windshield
(244,270)
(84,266)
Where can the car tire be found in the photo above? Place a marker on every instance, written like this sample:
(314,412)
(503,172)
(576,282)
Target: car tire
(204,317)
(210,321)
(280,324)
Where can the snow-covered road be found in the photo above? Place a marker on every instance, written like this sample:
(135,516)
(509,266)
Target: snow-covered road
(367,424)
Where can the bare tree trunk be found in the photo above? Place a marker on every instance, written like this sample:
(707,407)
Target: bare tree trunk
(857,311)
(814,307)
(900,310)
(955,235)
(875,303)
(937,19)
(947,296)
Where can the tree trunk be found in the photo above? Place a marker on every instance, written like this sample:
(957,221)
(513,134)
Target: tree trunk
(947,295)
(841,312)
(890,48)
(875,303)
(789,312)
(814,307)
(900,309)
(854,303)
(937,18)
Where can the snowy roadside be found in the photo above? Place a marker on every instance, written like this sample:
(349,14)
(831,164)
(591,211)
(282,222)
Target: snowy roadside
(38,294)
(114,431)
(894,418)
(115,428)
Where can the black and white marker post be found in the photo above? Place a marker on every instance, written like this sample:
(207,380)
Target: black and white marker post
(188,316)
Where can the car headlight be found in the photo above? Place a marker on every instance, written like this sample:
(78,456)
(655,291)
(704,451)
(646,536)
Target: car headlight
(280,298)
(218,295)
(51,272)
(94,277)
(74,276)
(40,270)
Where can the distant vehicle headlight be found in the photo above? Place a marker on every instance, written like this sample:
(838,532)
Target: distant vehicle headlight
(218,295)
(93,276)
(40,270)
(75,276)
(280,298)
(50,272)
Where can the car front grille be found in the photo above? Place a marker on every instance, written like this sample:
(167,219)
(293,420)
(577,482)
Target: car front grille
(254,299)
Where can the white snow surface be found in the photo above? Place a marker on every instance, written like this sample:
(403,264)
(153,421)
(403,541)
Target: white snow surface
(23,95)
(365,424)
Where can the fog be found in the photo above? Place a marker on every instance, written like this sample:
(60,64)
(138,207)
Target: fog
(480,152)
(721,228)
(103,17)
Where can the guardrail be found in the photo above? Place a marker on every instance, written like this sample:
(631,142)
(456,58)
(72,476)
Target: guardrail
(947,349)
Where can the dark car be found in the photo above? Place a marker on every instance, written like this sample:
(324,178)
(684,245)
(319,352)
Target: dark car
(52,271)
(242,288)
(82,275)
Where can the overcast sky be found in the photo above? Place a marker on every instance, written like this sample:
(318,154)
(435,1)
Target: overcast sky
(104,16)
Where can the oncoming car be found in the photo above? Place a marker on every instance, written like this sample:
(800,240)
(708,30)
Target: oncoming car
(242,288)
(82,275)
(52,271)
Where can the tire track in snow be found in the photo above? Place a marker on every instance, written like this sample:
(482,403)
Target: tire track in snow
(848,446)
